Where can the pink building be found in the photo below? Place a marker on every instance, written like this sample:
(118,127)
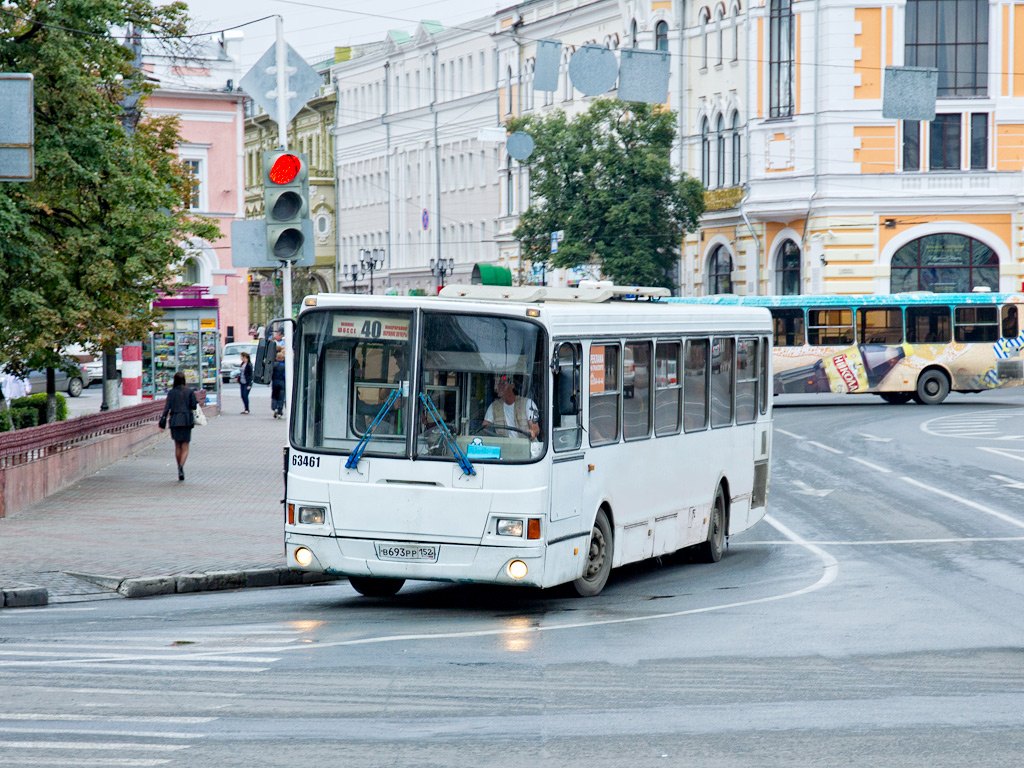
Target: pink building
(201,90)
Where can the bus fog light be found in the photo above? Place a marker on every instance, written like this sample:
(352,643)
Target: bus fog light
(510,528)
(304,557)
(312,515)
(517,569)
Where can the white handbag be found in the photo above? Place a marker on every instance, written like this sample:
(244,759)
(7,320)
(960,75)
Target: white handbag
(199,417)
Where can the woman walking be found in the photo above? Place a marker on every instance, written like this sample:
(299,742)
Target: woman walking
(178,408)
(277,385)
(245,380)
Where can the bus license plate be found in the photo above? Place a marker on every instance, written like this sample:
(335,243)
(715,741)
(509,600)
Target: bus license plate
(394,550)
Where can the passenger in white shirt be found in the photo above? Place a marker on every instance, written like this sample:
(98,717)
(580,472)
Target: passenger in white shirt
(516,411)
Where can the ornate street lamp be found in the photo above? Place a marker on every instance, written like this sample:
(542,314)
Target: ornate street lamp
(352,272)
(371,260)
(441,267)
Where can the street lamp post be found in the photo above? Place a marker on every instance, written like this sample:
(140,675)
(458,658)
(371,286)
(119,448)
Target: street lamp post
(441,267)
(352,272)
(370,260)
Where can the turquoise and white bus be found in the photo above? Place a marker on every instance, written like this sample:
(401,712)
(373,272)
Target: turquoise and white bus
(902,347)
(522,436)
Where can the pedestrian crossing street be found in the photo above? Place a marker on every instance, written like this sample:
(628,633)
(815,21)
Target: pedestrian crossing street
(58,680)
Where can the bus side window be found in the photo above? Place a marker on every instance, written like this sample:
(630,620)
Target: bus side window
(762,375)
(746,381)
(928,325)
(568,428)
(788,327)
(723,377)
(1010,327)
(976,324)
(604,394)
(695,386)
(829,327)
(636,419)
(881,325)
(668,389)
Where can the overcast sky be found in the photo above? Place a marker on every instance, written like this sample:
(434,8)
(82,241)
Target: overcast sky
(315,27)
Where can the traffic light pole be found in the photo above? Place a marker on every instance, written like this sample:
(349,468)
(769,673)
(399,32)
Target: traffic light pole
(281,53)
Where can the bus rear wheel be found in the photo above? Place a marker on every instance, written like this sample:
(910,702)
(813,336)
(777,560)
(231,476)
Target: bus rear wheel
(371,587)
(896,398)
(599,558)
(932,387)
(711,550)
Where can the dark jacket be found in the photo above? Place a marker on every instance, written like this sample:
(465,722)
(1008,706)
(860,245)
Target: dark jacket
(277,377)
(178,407)
(245,375)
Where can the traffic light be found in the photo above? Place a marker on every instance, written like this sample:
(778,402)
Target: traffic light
(286,202)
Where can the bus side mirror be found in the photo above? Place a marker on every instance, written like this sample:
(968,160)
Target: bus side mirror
(565,393)
(263,365)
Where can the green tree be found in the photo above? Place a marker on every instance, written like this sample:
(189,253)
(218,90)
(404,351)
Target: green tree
(88,245)
(605,177)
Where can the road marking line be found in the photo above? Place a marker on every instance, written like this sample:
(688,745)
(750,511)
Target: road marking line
(869,464)
(100,664)
(875,438)
(85,762)
(107,718)
(1009,482)
(91,746)
(90,732)
(135,691)
(788,434)
(1007,453)
(828,448)
(171,656)
(883,542)
(965,502)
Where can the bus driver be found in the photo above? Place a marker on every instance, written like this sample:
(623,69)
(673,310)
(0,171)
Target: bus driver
(515,411)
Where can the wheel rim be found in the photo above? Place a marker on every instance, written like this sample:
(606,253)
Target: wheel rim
(595,560)
(75,388)
(931,387)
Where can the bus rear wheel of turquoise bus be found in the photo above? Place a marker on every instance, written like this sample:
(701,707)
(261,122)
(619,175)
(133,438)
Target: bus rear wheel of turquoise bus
(932,387)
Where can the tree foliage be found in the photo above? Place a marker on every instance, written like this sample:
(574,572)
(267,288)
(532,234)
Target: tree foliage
(605,178)
(86,247)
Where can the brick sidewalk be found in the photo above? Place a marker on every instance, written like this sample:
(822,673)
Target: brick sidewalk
(134,519)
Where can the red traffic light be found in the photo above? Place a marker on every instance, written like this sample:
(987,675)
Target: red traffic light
(285,169)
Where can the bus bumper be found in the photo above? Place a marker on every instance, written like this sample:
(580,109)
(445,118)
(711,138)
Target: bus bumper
(465,563)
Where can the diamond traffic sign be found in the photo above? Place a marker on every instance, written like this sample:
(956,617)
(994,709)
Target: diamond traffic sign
(260,82)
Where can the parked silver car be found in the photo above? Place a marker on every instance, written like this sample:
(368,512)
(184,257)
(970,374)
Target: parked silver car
(73,384)
(231,359)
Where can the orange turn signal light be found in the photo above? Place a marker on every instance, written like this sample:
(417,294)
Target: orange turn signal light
(291,514)
(533,528)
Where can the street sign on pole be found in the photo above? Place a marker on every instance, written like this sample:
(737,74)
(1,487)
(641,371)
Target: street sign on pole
(17,128)
(260,83)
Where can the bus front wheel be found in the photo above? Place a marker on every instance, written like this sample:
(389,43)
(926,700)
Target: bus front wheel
(711,549)
(371,587)
(896,398)
(599,558)
(932,387)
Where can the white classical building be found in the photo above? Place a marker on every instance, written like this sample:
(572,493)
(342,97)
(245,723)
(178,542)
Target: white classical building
(417,153)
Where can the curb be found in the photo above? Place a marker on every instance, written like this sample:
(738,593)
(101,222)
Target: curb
(27,596)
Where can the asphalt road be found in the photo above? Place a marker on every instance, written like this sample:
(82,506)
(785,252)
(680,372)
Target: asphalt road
(875,618)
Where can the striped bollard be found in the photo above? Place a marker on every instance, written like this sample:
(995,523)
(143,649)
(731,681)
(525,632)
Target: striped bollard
(131,374)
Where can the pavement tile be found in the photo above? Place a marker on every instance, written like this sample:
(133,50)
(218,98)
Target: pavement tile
(134,520)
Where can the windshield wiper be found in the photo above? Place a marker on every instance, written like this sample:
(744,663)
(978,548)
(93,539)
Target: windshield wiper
(464,462)
(357,453)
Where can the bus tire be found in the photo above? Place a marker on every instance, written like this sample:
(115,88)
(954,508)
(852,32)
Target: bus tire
(896,398)
(932,387)
(371,587)
(599,558)
(711,550)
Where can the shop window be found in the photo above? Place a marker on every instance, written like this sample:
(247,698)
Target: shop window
(944,263)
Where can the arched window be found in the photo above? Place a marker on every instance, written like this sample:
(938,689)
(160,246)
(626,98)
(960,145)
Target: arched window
(705,153)
(720,33)
(719,271)
(703,19)
(787,269)
(720,151)
(737,155)
(661,36)
(510,100)
(780,59)
(944,263)
(633,34)
(735,32)
(192,275)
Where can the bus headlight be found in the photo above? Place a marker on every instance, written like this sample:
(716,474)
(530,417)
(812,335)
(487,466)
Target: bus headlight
(312,515)
(510,528)
(517,569)
(303,556)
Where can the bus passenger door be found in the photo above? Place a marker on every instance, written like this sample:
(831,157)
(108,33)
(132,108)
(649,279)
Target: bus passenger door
(568,467)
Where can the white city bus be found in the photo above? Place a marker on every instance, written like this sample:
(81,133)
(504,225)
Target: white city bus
(528,436)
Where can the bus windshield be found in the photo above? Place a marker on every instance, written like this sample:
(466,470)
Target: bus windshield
(484,374)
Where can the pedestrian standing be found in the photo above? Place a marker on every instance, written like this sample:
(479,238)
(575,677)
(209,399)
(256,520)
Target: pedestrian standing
(178,415)
(245,380)
(277,385)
